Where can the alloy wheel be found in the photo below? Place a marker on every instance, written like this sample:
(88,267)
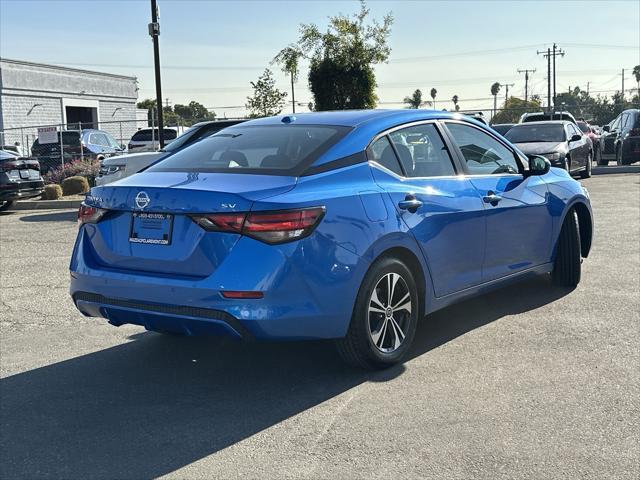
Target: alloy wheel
(389,312)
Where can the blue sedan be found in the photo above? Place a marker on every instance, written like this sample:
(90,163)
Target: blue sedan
(349,226)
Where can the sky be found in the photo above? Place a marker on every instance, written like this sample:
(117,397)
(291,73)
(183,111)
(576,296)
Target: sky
(211,50)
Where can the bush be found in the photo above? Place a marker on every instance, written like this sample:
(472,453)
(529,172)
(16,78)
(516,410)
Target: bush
(74,186)
(83,168)
(52,192)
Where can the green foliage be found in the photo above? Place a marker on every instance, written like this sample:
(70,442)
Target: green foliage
(84,168)
(267,100)
(415,100)
(345,53)
(74,186)
(192,113)
(52,192)
(455,100)
(179,114)
(636,73)
(513,108)
(495,88)
(288,58)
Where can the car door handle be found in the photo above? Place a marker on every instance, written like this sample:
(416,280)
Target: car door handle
(410,203)
(491,198)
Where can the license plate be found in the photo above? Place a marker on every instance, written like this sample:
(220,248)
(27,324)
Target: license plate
(151,228)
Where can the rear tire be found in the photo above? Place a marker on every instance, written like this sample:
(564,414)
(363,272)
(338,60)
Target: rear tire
(382,325)
(6,205)
(567,265)
(586,173)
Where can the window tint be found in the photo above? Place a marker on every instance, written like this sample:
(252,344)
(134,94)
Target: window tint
(382,152)
(536,133)
(275,149)
(146,135)
(616,123)
(482,153)
(422,152)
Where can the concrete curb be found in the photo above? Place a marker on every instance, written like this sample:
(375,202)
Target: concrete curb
(45,204)
(602,170)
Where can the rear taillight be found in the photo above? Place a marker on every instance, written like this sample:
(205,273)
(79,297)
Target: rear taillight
(87,214)
(270,227)
(9,166)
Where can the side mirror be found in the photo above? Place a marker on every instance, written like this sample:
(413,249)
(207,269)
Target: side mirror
(575,138)
(538,166)
(123,147)
(606,128)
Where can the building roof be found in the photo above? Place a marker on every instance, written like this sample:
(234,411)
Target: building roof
(66,69)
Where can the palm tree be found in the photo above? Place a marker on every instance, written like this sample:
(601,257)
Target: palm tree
(495,88)
(434,92)
(636,73)
(415,100)
(288,59)
(455,102)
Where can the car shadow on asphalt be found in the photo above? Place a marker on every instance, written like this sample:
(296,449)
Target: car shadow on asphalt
(150,406)
(68,216)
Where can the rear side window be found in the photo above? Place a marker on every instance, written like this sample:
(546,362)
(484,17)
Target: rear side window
(422,152)
(483,154)
(382,153)
(146,135)
(263,149)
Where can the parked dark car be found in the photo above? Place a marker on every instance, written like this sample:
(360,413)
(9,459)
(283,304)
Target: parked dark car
(544,116)
(620,139)
(87,144)
(561,142)
(502,128)
(19,178)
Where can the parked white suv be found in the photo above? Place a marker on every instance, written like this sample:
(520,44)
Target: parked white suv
(146,139)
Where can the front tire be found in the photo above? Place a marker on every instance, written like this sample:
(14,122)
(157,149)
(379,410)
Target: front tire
(586,173)
(619,156)
(384,318)
(6,205)
(567,265)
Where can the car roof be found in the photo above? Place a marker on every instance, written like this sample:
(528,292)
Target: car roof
(354,118)
(543,122)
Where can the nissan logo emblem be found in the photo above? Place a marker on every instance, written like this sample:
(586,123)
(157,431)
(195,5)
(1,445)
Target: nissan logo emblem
(142,200)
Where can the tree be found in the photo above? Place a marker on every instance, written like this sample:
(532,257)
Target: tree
(513,108)
(267,100)
(168,115)
(415,100)
(193,112)
(434,92)
(288,58)
(455,103)
(341,72)
(495,89)
(636,73)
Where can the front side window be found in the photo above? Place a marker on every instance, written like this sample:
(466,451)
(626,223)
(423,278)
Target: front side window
(268,149)
(483,154)
(422,152)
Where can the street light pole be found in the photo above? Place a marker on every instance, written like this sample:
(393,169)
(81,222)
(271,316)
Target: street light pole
(154,31)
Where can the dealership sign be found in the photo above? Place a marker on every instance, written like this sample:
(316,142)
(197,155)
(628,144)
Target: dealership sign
(47,135)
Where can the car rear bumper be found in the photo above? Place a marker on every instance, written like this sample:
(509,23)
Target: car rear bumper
(17,192)
(309,289)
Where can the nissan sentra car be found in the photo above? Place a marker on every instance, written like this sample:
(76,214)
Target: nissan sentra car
(349,226)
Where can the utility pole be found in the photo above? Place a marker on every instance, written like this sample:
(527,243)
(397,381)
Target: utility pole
(588,88)
(622,86)
(506,95)
(526,72)
(556,51)
(154,31)
(547,55)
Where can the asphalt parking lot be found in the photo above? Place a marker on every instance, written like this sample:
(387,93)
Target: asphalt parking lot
(527,382)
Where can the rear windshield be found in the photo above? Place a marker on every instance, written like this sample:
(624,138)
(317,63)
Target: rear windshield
(264,149)
(145,135)
(195,133)
(536,133)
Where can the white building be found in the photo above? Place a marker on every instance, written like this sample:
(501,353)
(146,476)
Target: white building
(35,94)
